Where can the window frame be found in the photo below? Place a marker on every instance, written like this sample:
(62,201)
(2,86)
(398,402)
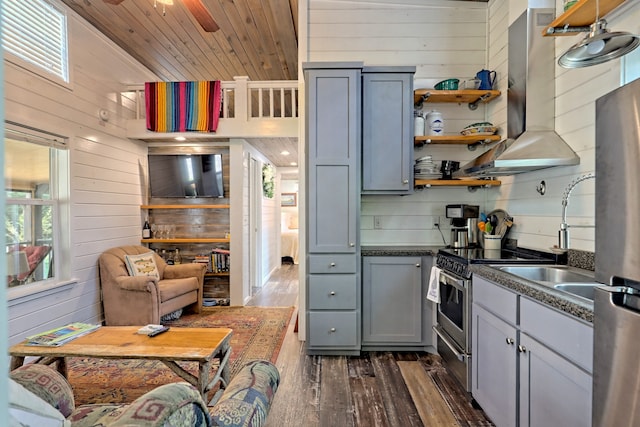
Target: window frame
(37,69)
(58,200)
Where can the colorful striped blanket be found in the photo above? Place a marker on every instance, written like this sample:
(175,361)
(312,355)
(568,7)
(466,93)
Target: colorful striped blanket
(183,106)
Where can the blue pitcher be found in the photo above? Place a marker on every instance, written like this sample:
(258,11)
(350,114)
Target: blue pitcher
(487,79)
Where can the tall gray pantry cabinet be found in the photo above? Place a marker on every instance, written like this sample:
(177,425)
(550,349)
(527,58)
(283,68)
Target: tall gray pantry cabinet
(333,137)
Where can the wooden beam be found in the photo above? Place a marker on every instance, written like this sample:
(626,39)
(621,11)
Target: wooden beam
(202,15)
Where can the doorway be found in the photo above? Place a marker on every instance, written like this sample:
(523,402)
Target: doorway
(255,225)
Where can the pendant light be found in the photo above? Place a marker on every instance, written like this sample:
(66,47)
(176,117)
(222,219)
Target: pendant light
(599,46)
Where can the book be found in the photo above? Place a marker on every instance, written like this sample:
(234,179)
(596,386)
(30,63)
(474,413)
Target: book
(62,334)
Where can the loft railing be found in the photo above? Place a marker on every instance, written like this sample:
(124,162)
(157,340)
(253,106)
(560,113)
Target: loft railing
(242,99)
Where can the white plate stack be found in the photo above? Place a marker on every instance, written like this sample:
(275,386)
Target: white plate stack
(426,169)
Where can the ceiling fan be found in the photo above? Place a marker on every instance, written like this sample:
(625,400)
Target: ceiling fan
(197,9)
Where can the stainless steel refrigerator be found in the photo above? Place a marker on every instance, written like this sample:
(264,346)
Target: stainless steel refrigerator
(616,358)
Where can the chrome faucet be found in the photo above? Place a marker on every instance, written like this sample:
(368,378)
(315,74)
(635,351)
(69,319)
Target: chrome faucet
(563,234)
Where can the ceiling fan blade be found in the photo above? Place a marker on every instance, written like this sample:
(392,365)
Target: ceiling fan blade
(116,2)
(201,14)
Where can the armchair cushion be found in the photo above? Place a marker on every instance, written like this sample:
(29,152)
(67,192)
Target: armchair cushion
(141,265)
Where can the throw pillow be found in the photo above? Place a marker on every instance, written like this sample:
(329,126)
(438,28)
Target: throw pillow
(141,265)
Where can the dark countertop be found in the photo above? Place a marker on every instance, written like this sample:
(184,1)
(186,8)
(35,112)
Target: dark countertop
(575,306)
(399,250)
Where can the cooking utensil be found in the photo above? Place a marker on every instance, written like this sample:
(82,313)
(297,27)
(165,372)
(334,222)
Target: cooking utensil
(449,84)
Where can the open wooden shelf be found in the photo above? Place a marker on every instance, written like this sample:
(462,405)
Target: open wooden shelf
(455,139)
(457,182)
(184,207)
(465,96)
(219,274)
(177,240)
(581,14)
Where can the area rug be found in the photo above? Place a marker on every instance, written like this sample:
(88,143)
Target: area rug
(258,333)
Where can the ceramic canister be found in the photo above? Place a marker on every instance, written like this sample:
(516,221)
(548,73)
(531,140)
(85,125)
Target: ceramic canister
(434,123)
(418,124)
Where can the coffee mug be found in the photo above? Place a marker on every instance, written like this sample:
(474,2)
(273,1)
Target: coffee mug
(487,79)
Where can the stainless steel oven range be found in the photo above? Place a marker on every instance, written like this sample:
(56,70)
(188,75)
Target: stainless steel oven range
(453,325)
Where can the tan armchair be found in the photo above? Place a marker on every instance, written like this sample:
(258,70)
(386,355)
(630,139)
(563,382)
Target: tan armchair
(141,300)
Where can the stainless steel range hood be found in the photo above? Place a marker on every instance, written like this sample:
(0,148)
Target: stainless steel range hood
(532,142)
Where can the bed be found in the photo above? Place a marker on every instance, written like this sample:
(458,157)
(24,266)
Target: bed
(289,237)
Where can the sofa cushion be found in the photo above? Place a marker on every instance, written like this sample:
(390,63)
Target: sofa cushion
(172,288)
(142,265)
(48,384)
(174,404)
(248,397)
(28,409)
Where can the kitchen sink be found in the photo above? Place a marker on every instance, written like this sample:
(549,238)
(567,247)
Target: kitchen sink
(584,290)
(560,274)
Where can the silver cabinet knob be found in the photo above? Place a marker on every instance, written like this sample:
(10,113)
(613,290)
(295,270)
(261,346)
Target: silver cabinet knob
(510,341)
(333,264)
(405,181)
(351,244)
(332,293)
(418,265)
(332,330)
(522,349)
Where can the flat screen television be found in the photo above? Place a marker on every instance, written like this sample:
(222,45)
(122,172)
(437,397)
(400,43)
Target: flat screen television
(186,175)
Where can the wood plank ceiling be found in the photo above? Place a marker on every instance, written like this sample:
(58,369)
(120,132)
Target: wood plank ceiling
(257,38)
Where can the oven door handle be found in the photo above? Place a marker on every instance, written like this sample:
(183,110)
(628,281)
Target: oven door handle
(453,281)
(461,356)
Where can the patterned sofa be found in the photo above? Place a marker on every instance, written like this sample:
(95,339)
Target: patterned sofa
(244,403)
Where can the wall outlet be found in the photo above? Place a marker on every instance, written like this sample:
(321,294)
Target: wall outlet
(377,223)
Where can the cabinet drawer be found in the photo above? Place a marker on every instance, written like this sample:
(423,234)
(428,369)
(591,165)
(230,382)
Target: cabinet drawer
(332,292)
(333,329)
(563,334)
(332,263)
(497,300)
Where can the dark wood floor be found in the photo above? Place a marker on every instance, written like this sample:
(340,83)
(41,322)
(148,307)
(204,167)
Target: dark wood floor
(374,389)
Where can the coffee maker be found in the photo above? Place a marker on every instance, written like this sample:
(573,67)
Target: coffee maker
(464,225)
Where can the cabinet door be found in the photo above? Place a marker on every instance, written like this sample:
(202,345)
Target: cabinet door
(387,133)
(553,391)
(392,300)
(494,359)
(333,141)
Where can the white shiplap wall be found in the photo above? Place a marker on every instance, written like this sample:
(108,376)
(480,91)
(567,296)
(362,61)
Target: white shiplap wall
(443,39)
(105,169)
(537,218)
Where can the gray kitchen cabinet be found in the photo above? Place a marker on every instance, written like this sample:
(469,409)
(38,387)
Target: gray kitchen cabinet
(529,359)
(395,312)
(333,137)
(333,117)
(494,338)
(556,365)
(553,391)
(387,130)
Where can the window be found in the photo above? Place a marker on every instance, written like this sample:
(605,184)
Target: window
(34,169)
(35,31)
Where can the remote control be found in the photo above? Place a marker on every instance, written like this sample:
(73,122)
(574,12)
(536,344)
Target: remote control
(159,331)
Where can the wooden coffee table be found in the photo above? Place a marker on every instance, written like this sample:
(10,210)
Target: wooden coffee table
(202,345)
